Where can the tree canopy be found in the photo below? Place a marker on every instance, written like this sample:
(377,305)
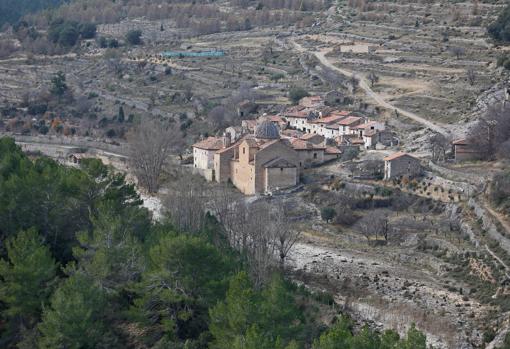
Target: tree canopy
(82,265)
(500,28)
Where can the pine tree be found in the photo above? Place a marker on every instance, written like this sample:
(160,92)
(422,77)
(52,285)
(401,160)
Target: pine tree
(75,318)
(27,276)
(121,117)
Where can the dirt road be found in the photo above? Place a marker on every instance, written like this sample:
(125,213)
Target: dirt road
(365,86)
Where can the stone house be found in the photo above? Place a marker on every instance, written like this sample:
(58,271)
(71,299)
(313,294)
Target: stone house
(401,165)
(245,108)
(347,125)
(312,102)
(464,151)
(313,138)
(370,138)
(368,126)
(203,154)
(334,98)
(308,154)
(318,126)
(299,117)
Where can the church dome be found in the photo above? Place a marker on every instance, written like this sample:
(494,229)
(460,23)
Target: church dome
(267,130)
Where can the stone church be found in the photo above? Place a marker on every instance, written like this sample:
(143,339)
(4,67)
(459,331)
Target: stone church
(258,163)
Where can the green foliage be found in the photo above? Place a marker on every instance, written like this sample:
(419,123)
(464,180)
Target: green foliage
(270,316)
(58,84)
(27,276)
(340,336)
(134,37)
(111,255)
(500,29)
(60,201)
(296,93)
(76,316)
(129,282)
(328,213)
(11,11)
(186,276)
(67,33)
(87,30)
(121,117)
(503,61)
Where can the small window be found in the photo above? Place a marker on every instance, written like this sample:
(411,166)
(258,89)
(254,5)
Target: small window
(315,155)
(244,150)
(281,169)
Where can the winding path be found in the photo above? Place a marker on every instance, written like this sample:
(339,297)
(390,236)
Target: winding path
(364,85)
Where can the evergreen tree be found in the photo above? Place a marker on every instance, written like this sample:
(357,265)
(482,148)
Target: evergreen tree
(58,84)
(121,117)
(233,318)
(389,339)
(27,277)
(337,336)
(110,255)
(187,276)
(414,339)
(75,318)
(247,316)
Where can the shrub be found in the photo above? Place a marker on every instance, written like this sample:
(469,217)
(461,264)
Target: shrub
(500,29)
(328,213)
(134,37)
(296,93)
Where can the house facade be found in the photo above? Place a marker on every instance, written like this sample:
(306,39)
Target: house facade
(463,150)
(401,165)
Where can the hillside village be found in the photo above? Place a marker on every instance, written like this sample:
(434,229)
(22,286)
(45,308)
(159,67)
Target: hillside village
(266,155)
(255,174)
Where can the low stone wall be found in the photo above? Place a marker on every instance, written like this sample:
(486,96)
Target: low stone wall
(76,142)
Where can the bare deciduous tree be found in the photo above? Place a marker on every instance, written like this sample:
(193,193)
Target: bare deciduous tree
(285,232)
(471,76)
(376,224)
(151,143)
(186,202)
(457,51)
(354,83)
(440,145)
(373,78)
(491,133)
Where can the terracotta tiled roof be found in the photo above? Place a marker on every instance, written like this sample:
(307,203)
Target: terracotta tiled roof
(365,125)
(332,150)
(349,120)
(299,144)
(398,155)
(291,133)
(328,119)
(210,143)
(279,162)
(308,136)
(460,142)
(357,141)
(297,111)
(369,133)
(339,112)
